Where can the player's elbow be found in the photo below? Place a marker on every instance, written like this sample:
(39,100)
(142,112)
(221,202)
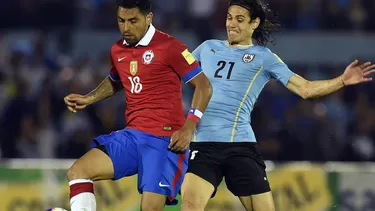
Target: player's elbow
(116,86)
(306,97)
(202,84)
(307,91)
(302,87)
(304,94)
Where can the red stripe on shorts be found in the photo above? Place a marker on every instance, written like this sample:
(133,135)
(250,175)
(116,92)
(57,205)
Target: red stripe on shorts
(178,173)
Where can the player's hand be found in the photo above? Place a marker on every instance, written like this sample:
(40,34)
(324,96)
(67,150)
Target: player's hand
(180,140)
(76,102)
(357,73)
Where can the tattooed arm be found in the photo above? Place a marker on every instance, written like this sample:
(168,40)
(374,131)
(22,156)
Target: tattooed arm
(106,89)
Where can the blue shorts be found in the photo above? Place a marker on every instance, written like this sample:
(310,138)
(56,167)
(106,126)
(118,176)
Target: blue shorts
(134,152)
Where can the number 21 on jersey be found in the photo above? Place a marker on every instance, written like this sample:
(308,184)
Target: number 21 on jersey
(221,65)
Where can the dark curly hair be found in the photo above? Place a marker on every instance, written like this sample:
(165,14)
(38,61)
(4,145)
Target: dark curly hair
(143,5)
(268,20)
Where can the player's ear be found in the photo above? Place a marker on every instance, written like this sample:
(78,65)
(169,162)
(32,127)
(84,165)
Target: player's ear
(255,23)
(149,18)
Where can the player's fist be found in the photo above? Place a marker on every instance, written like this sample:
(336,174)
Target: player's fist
(357,73)
(180,140)
(76,102)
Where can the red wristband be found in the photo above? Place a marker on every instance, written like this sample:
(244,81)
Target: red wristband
(195,115)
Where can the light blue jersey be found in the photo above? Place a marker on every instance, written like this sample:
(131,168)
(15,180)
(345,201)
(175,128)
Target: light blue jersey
(237,75)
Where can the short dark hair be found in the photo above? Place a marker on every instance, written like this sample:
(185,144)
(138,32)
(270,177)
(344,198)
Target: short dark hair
(143,5)
(268,20)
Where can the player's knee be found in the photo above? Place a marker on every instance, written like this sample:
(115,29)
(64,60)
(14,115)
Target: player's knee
(83,168)
(77,171)
(260,202)
(152,207)
(152,202)
(192,200)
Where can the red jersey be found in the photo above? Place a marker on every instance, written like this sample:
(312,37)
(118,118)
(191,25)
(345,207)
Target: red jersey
(151,73)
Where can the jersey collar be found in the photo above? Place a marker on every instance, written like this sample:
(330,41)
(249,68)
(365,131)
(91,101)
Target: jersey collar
(147,38)
(240,46)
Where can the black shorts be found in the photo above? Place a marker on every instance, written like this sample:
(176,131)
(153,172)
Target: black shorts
(239,162)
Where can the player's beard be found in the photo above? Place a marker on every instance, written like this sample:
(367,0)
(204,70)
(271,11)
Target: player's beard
(131,41)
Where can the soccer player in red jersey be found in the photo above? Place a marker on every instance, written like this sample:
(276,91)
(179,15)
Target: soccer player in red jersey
(149,65)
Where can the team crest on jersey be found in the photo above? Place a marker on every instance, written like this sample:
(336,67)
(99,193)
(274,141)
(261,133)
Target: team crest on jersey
(148,56)
(133,67)
(247,58)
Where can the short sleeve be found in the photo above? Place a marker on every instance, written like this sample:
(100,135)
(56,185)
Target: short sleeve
(277,68)
(113,73)
(197,52)
(182,61)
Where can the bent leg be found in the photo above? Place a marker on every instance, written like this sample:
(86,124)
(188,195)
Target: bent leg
(204,175)
(195,193)
(94,165)
(113,157)
(258,202)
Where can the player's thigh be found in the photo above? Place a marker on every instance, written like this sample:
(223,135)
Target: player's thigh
(245,173)
(205,167)
(258,202)
(152,201)
(113,156)
(195,192)
(160,170)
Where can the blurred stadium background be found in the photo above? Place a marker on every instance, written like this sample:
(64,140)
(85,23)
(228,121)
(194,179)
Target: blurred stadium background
(319,151)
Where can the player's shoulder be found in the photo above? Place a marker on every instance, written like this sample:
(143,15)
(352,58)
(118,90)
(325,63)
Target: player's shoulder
(117,45)
(268,55)
(262,49)
(165,38)
(264,52)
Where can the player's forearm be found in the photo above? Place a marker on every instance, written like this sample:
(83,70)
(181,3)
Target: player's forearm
(201,97)
(104,90)
(316,89)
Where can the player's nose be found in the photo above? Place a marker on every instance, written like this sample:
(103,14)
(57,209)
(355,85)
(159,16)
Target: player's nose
(126,27)
(231,25)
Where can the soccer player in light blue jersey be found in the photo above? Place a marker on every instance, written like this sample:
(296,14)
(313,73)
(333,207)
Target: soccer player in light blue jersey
(224,145)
